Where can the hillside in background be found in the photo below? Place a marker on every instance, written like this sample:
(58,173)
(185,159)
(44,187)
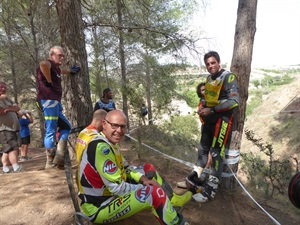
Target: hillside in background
(277,119)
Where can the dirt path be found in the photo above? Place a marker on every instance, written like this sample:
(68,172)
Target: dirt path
(36,197)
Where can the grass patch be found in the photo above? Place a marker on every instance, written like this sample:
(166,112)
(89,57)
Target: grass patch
(178,137)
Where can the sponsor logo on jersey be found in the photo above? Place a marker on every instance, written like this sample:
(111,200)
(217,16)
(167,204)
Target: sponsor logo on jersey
(160,193)
(142,194)
(105,151)
(222,133)
(109,167)
(118,215)
(80,141)
(119,203)
(231,78)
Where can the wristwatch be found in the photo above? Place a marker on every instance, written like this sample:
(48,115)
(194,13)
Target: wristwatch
(212,110)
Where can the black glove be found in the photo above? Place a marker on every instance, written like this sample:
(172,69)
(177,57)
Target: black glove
(74,70)
(48,84)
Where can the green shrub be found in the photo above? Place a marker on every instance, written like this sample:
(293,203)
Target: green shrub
(255,100)
(256,83)
(177,137)
(191,99)
(286,79)
(269,174)
(185,126)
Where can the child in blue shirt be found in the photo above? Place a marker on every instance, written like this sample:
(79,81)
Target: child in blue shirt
(25,118)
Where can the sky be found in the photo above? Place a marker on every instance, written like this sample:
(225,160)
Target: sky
(277,37)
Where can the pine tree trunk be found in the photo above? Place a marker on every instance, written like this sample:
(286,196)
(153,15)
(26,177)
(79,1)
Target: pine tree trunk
(122,61)
(241,66)
(76,89)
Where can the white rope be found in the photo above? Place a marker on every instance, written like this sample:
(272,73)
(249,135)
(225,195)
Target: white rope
(178,160)
(245,190)
(192,165)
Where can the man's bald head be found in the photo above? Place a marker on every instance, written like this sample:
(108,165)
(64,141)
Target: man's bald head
(116,114)
(98,118)
(99,114)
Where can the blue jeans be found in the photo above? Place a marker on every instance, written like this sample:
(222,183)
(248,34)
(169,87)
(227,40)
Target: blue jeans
(54,118)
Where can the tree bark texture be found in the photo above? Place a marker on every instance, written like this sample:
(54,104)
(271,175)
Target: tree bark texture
(241,66)
(148,88)
(76,88)
(122,61)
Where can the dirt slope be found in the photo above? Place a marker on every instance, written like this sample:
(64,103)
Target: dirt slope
(36,197)
(277,119)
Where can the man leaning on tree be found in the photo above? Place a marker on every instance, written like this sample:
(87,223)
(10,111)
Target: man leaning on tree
(49,101)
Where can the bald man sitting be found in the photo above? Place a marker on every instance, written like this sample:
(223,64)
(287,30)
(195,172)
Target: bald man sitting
(111,190)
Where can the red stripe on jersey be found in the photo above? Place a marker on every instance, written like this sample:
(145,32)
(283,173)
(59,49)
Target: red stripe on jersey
(93,177)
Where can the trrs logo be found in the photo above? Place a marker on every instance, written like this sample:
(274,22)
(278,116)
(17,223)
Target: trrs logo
(109,167)
(142,194)
(118,203)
